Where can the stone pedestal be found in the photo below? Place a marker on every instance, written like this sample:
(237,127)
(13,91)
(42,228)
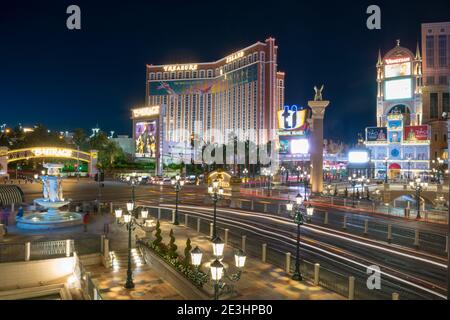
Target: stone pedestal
(316,144)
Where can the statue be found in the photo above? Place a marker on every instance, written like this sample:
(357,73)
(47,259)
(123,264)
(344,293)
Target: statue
(318,95)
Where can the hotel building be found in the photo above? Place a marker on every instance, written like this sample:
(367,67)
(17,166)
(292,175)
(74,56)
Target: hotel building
(436,73)
(242,91)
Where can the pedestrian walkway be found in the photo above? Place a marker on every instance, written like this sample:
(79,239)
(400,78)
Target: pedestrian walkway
(259,281)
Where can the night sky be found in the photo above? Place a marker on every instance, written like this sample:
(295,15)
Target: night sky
(68,79)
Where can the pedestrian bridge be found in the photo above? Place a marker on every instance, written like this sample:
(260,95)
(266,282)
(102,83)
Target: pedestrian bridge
(7,156)
(433,194)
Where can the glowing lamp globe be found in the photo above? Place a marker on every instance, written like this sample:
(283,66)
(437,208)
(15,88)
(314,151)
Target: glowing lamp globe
(216,270)
(221,191)
(299,199)
(118,213)
(240,258)
(127,218)
(196,257)
(130,206)
(309,211)
(144,214)
(218,246)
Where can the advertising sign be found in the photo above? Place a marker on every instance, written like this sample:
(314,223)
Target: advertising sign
(397,70)
(395,136)
(376,134)
(358,157)
(395,125)
(145,135)
(416,133)
(398,89)
(292,118)
(204,86)
(293,145)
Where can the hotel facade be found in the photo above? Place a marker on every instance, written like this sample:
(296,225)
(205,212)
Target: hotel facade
(241,92)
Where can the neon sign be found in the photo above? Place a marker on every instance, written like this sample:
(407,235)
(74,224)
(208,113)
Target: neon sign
(181,67)
(398,60)
(52,152)
(291,118)
(146,112)
(235,56)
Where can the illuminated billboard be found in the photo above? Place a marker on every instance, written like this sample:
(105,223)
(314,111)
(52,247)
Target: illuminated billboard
(416,133)
(145,139)
(293,145)
(204,86)
(378,134)
(292,118)
(397,70)
(358,157)
(398,89)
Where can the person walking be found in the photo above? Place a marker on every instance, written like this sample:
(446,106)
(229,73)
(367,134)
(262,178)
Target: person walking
(85,221)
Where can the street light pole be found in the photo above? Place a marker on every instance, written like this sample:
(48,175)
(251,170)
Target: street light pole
(215,191)
(177,184)
(386,169)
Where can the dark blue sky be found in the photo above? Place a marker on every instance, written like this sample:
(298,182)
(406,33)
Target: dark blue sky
(67,79)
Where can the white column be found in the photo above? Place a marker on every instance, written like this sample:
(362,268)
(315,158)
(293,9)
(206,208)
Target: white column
(159,213)
(244,238)
(345,223)
(27,251)
(226,236)
(264,252)
(366,227)
(198,224)
(325,221)
(288,262)
(316,274)
(186,217)
(173,216)
(68,247)
(389,235)
(351,288)
(211,229)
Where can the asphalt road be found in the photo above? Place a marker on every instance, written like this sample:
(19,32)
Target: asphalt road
(411,272)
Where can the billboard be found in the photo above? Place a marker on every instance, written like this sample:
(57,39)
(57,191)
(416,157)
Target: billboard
(376,134)
(204,86)
(292,118)
(145,135)
(395,136)
(395,125)
(397,70)
(358,157)
(398,89)
(293,145)
(416,133)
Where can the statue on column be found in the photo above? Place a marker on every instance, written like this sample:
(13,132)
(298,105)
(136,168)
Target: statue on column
(318,95)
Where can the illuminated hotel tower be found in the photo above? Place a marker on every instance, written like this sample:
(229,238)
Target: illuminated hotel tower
(242,91)
(399,85)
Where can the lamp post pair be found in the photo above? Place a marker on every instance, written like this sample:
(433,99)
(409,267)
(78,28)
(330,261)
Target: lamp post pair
(363,180)
(418,186)
(216,192)
(177,185)
(298,211)
(217,269)
(130,219)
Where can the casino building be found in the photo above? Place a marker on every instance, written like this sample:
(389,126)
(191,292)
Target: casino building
(400,144)
(242,91)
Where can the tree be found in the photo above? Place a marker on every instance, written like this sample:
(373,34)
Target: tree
(187,252)
(172,246)
(346,192)
(158,238)
(80,138)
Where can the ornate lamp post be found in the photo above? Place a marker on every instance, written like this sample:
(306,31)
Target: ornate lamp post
(363,181)
(177,185)
(418,186)
(353,181)
(216,193)
(130,219)
(217,269)
(245,172)
(409,169)
(283,170)
(297,212)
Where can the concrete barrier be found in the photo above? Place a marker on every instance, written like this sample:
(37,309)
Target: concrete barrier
(226,236)
(243,240)
(351,288)
(198,224)
(287,267)
(263,252)
(366,227)
(316,274)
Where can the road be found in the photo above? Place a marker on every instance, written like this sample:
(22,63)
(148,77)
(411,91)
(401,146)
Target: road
(413,273)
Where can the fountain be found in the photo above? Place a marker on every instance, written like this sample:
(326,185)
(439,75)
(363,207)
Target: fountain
(53,200)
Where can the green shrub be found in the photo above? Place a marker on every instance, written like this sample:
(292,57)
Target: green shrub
(158,239)
(187,252)
(172,246)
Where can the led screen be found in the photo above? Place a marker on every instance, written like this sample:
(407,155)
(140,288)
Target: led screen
(299,146)
(358,157)
(145,135)
(398,89)
(397,70)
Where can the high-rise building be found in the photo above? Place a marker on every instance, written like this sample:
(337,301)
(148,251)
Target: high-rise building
(436,74)
(242,91)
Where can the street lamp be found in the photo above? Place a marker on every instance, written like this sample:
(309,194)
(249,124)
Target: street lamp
(283,170)
(418,186)
(130,219)
(245,172)
(218,270)
(386,169)
(353,181)
(363,180)
(216,192)
(409,169)
(177,185)
(297,212)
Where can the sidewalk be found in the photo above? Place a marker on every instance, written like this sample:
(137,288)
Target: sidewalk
(259,281)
